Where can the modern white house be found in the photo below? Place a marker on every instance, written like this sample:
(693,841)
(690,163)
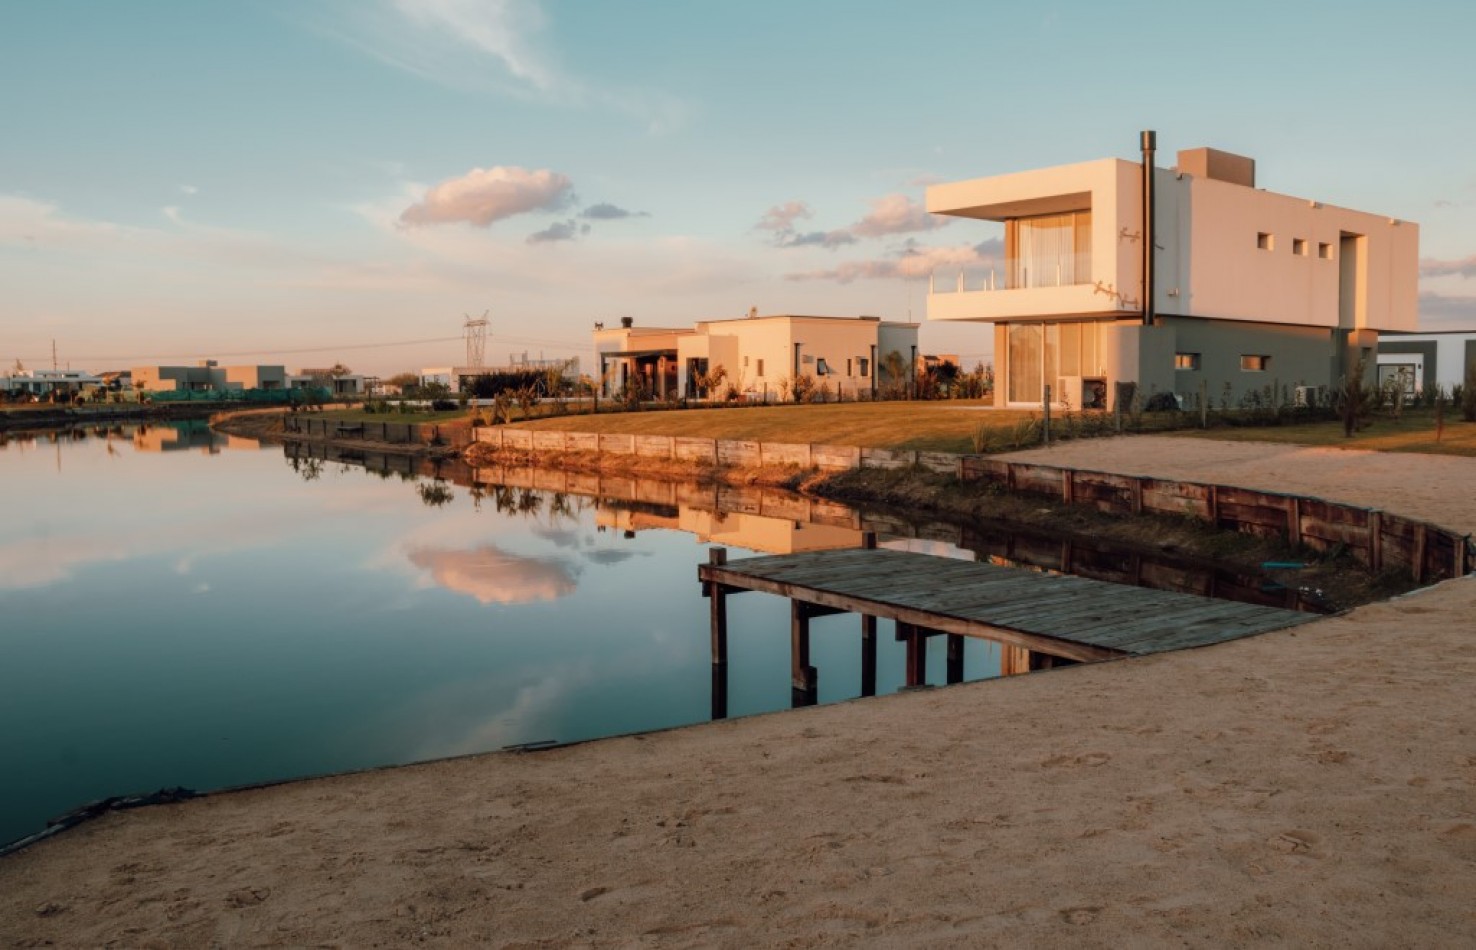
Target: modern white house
(1245,289)
(44,382)
(1427,360)
(761,356)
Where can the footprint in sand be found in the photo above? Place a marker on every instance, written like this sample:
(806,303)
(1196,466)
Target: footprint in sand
(1294,842)
(1080,915)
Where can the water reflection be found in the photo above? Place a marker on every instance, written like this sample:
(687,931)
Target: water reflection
(494,576)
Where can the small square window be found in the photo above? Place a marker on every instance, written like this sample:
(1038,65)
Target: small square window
(1265,241)
(1324,250)
(820,368)
(1299,247)
(865,366)
(1186,361)
(1255,363)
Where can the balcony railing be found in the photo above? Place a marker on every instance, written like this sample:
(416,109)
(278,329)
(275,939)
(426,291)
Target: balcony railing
(967,279)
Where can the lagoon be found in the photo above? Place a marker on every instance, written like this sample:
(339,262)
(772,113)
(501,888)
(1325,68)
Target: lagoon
(183,608)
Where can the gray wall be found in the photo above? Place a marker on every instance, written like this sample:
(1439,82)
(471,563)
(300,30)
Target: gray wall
(1300,356)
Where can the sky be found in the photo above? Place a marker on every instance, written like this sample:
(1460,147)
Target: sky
(315,181)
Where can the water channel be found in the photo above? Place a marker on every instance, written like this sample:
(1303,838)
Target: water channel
(183,608)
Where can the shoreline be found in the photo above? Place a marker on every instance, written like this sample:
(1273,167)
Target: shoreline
(1311,786)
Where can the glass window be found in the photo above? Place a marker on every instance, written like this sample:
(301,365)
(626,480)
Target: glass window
(1265,241)
(1025,348)
(1186,361)
(761,367)
(1049,250)
(1254,363)
(865,366)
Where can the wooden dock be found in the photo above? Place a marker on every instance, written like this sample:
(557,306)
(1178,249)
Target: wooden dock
(1052,616)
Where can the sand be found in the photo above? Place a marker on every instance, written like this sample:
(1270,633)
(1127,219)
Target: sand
(1313,787)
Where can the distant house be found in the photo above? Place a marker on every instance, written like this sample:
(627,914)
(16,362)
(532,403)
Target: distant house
(342,384)
(208,376)
(1426,360)
(460,378)
(1245,288)
(761,356)
(43,383)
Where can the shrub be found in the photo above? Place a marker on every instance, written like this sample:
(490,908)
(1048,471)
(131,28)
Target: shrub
(1468,395)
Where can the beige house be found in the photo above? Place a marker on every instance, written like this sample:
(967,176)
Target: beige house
(208,376)
(761,356)
(1245,289)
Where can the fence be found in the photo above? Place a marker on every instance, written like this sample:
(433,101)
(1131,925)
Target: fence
(1381,540)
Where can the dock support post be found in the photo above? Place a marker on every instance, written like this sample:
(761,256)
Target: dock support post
(917,654)
(718,604)
(802,677)
(868,655)
(718,607)
(955,658)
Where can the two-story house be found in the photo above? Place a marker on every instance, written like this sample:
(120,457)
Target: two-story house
(1247,290)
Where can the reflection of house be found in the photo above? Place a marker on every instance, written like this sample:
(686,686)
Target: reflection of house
(1249,288)
(734,529)
(208,376)
(760,356)
(175,437)
(1427,360)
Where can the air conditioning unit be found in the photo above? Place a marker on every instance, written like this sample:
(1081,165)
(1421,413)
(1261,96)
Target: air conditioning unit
(1305,397)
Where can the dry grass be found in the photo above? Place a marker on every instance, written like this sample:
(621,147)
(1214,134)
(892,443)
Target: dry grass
(1414,432)
(933,426)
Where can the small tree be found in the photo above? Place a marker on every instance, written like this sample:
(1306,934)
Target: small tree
(1354,400)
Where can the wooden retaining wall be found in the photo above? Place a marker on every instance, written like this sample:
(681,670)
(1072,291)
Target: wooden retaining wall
(1377,538)
(718,451)
(391,433)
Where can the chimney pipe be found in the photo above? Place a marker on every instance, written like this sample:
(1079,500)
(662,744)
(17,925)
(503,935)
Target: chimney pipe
(1149,142)
(627,322)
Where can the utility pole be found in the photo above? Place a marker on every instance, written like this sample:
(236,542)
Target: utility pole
(53,353)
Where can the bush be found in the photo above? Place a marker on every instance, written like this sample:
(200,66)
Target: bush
(443,405)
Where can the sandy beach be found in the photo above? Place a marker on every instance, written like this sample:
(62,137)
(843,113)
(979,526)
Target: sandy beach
(1313,787)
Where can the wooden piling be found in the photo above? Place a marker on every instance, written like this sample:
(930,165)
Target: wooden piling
(718,607)
(802,675)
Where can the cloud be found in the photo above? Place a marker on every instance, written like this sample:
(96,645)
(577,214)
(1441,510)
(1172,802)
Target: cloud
(559,231)
(188,190)
(605,211)
(825,239)
(1465,267)
(504,30)
(485,195)
(890,214)
(781,218)
(494,576)
(896,214)
(912,261)
(1446,312)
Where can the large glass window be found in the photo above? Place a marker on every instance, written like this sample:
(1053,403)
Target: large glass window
(1049,250)
(1045,354)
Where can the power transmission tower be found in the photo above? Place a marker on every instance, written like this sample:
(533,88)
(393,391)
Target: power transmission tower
(476,339)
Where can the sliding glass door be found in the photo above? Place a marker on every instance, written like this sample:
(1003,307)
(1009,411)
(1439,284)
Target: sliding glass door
(1044,354)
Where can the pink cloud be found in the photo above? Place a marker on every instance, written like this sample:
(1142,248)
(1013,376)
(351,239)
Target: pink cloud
(485,195)
(896,214)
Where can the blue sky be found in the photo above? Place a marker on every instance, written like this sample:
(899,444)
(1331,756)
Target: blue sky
(300,182)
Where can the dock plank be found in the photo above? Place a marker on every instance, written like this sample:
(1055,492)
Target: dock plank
(1063,615)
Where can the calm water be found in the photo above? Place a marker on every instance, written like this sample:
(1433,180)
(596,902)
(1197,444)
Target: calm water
(183,608)
(178,608)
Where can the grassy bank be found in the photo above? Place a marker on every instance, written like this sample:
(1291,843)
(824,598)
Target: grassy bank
(1414,431)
